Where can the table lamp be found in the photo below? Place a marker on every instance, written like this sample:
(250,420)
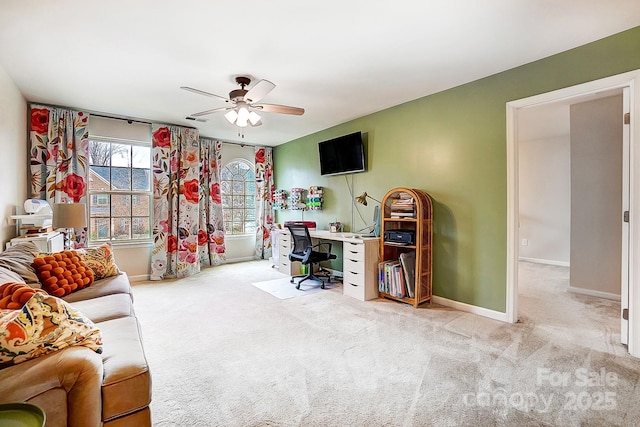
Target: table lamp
(69,216)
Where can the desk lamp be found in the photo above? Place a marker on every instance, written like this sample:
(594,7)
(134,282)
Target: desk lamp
(375,228)
(362,199)
(69,216)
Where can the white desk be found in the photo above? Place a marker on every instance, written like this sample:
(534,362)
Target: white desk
(359,261)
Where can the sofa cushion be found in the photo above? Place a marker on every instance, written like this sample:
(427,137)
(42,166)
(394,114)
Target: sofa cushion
(45,324)
(111,285)
(100,260)
(18,258)
(105,308)
(126,387)
(62,273)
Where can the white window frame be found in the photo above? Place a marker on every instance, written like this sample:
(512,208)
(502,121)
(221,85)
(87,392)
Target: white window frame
(91,193)
(229,230)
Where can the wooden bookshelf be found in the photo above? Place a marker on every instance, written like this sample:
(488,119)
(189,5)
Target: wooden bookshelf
(419,221)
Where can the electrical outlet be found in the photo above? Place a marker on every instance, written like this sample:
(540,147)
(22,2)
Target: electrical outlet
(525,242)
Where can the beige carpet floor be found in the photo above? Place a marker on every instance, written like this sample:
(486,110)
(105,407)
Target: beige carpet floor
(225,353)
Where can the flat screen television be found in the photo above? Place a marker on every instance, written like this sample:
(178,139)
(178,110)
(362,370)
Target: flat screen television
(344,154)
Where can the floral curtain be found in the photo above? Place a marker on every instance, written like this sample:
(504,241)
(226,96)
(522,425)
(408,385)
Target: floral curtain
(188,229)
(59,150)
(211,232)
(176,200)
(264,201)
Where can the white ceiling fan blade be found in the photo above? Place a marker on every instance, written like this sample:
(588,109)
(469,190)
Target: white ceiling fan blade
(215,110)
(282,109)
(259,91)
(201,92)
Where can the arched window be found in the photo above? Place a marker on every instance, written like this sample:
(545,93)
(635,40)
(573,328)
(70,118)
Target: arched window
(238,188)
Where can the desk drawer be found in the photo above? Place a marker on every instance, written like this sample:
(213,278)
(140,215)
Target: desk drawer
(354,290)
(350,266)
(284,246)
(354,251)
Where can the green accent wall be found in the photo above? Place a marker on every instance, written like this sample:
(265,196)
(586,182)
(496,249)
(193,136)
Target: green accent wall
(452,145)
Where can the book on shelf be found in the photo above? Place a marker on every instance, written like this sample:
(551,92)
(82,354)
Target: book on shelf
(408,262)
(386,282)
(392,279)
(403,207)
(402,215)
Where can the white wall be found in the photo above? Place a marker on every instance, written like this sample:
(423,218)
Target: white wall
(545,184)
(596,196)
(13,161)
(239,248)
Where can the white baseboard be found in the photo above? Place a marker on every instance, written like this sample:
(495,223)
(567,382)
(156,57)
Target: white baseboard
(243,259)
(592,293)
(139,278)
(545,261)
(481,311)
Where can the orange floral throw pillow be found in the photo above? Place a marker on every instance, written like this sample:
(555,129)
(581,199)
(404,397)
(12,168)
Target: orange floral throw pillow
(15,295)
(62,273)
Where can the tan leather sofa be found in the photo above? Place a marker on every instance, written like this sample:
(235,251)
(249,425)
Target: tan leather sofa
(79,387)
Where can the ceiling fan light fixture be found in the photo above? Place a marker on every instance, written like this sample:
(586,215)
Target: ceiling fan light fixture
(245,103)
(243,117)
(254,118)
(231,116)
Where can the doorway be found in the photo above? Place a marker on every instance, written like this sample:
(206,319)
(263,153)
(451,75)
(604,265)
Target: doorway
(570,200)
(627,83)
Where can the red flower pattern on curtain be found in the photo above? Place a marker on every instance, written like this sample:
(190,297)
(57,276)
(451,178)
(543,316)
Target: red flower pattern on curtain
(59,149)
(264,201)
(187,229)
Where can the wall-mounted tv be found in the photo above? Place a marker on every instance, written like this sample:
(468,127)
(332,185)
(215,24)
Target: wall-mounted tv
(344,154)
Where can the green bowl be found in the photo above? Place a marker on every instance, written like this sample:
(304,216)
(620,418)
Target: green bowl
(21,415)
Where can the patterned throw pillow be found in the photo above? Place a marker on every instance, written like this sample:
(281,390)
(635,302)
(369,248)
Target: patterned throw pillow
(13,296)
(100,260)
(62,273)
(45,324)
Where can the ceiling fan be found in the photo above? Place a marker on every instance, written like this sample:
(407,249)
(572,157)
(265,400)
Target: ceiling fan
(245,106)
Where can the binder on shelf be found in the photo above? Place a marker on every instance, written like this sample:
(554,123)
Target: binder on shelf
(408,262)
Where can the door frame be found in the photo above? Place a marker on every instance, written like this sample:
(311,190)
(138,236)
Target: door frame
(629,80)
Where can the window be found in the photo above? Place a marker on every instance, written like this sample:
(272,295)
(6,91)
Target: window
(119,191)
(238,188)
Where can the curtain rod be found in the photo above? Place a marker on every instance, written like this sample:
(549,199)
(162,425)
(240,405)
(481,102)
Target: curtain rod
(128,120)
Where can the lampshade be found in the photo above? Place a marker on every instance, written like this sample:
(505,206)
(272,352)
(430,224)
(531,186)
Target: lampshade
(69,215)
(243,117)
(362,199)
(254,118)
(231,116)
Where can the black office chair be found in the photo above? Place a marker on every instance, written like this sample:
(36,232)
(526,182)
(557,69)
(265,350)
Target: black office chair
(303,250)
